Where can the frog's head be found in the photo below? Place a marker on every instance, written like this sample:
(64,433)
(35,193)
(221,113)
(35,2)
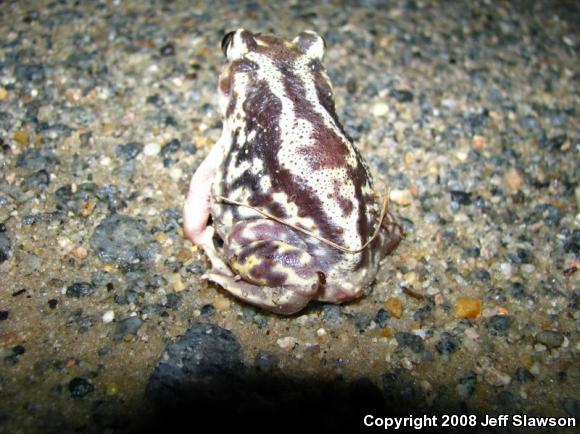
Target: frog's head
(238,43)
(262,67)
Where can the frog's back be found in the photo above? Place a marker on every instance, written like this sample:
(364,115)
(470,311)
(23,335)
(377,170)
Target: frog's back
(287,152)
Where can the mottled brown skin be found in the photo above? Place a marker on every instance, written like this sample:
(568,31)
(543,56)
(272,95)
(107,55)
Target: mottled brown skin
(284,152)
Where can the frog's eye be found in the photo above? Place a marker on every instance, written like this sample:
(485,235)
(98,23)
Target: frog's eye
(237,43)
(311,44)
(226,41)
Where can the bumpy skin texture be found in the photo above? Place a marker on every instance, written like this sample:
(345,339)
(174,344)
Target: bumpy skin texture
(283,151)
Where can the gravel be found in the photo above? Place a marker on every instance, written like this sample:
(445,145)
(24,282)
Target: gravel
(467,114)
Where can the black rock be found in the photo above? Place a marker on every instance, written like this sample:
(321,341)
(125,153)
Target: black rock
(79,387)
(207,310)
(361,320)
(466,385)
(572,243)
(127,327)
(173,300)
(331,314)
(75,201)
(460,197)
(550,338)
(401,95)
(168,49)
(206,354)
(35,159)
(30,72)
(37,181)
(129,150)
(5,245)
(572,407)
(4,314)
(170,147)
(80,289)
(499,325)
(447,343)
(414,342)
(382,317)
(266,362)
(124,240)
(522,375)
(19,350)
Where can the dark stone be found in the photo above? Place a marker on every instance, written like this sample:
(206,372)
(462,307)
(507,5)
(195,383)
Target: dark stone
(80,289)
(518,291)
(124,240)
(572,243)
(168,49)
(170,147)
(382,317)
(104,351)
(35,159)
(79,387)
(37,181)
(127,327)
(75,201)
(550,338)
(19,350)
(414,342)
(361,320)
(30,72)
(466,385)
(499,325)
(399,385)
(4,314)
(460,197)
(266,362)
(129,151)
(332,314)
(173,300)
(5,245)
(572,407)
(206,354)
(402,95)
(447,343)
(522,375)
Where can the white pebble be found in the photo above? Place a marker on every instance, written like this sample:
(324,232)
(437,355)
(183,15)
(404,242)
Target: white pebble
(321,332)
(108,316)
(175,173)
(287,343)
(528,268)
(380,109)
(151,149)
(401,197)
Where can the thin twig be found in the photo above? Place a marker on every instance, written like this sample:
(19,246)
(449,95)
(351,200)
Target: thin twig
(266,214)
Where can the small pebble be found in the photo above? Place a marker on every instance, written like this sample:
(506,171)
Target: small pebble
(80,289)
(394,306)
(550,338)
(287,343)
(380,109)
(514,179)
(151,149)
(79,387)
(468,307)
(401,197)
(108,316)
(3,93)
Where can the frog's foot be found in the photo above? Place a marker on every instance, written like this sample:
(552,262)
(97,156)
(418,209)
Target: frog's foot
(284,300)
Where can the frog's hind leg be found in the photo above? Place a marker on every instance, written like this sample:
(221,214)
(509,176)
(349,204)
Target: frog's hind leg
(274,269)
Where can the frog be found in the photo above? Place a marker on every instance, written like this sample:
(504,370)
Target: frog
(284,204)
